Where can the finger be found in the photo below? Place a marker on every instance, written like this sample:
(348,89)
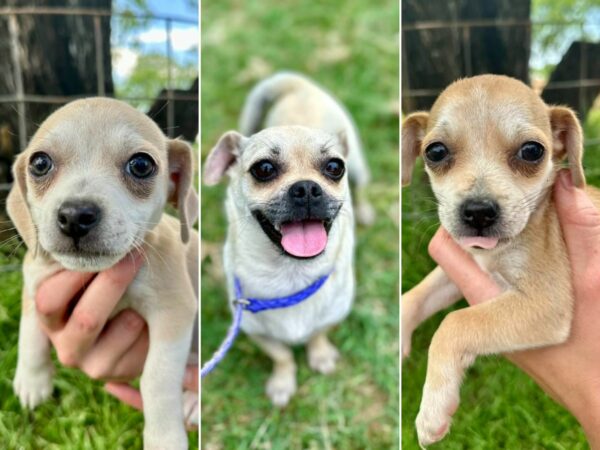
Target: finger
(116,340)
(131,364)
(55,294)
(579,219)
(94,308)
(126,394)
(475,284)
(190,381)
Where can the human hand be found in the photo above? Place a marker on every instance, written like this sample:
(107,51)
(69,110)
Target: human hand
(569,372)
(74,308)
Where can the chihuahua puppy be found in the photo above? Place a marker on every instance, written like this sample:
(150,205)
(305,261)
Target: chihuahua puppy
(290,221)
(491,149)
(90,188)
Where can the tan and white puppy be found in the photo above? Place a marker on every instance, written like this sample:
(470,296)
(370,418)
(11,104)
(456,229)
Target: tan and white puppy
(290,223)
(90,188)
(288,98)
(491,149)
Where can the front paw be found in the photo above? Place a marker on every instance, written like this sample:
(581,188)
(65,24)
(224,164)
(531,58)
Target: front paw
(165,439)
(435,415)
(281,386)
(33,386)
(322,358)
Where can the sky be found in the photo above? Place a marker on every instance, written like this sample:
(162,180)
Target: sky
(184,36)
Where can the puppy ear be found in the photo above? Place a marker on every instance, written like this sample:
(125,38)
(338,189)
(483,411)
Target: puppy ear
(568,141)
(16,203)
(181,191)
(343,140)
(222,157)
(413,131)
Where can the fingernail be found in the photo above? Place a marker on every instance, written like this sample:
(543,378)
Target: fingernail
(565,179)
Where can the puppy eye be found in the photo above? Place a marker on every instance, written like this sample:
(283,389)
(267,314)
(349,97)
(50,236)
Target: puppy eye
(263,170)
(436,152)
(141,165)
(531,152)
(334,169)
(40,164)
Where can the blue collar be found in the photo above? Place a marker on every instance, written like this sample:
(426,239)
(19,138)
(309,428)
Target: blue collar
(255,305)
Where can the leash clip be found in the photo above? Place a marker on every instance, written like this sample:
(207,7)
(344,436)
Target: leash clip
(242,302)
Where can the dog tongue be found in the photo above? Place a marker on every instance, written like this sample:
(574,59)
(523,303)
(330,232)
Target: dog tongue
(304,239)
(479,241)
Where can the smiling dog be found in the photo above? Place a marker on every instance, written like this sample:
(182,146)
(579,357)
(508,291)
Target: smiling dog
(491,149)
(90,188)
(290,219)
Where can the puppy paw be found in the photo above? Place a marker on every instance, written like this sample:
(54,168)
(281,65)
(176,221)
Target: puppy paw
(365,214)
(190,409)
(323,357)
(435,416)
(33,386)
(165,439)
(281,387)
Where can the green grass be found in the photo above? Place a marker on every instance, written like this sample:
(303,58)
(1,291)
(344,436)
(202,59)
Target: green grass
(500,406)
(79,415)
(350,48)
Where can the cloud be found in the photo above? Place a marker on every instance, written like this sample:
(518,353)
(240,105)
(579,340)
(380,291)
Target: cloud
(124,61)
(182,39)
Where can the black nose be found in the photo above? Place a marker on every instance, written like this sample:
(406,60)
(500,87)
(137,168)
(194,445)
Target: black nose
(480,214)
(303,192)
(77,218)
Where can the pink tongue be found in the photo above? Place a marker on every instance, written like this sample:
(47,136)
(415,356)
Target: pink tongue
(304,239)
(478,241)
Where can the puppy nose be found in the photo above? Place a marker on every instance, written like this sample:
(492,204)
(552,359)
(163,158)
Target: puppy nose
(76,219)
(480,214)
(304,191)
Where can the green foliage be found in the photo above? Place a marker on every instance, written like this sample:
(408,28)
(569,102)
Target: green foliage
(352,49)
(150,76)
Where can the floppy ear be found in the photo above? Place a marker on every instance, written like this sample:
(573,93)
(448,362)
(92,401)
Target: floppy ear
(222,157)
(16,203)
(413,131)
(181,192)
(568,141)
(343,140)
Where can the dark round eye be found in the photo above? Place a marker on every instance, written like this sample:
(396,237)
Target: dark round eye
(334,168)
(436,152)
(141,165)
(531,152)
(40,164)
(263,170)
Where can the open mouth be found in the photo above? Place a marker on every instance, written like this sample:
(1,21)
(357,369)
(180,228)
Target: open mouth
(300,239)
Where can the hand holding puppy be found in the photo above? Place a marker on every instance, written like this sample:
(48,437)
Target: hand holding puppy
(569,372)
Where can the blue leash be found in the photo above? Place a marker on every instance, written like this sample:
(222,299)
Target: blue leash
(255,305)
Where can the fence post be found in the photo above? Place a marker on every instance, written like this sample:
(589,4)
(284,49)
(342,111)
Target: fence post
(13,28)
(99,57)
(170,104)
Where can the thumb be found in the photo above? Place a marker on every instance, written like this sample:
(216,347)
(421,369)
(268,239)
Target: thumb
(579,219)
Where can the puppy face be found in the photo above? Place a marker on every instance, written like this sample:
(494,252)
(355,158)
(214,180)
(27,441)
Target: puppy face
(94,180)
(491,149)
(291,181)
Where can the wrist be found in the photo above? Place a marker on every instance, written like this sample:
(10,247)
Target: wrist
(586,409)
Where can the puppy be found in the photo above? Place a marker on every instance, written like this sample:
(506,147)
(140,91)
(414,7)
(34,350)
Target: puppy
(290,221)
(90,188)
(491,149)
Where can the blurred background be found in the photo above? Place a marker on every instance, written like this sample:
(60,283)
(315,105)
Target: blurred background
(554,46)
(350,48)
(144,52)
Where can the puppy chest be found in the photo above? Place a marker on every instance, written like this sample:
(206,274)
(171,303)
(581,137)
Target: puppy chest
(296,324)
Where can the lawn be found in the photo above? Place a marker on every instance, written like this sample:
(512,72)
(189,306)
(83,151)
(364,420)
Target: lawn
(500,406)
(351,49)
